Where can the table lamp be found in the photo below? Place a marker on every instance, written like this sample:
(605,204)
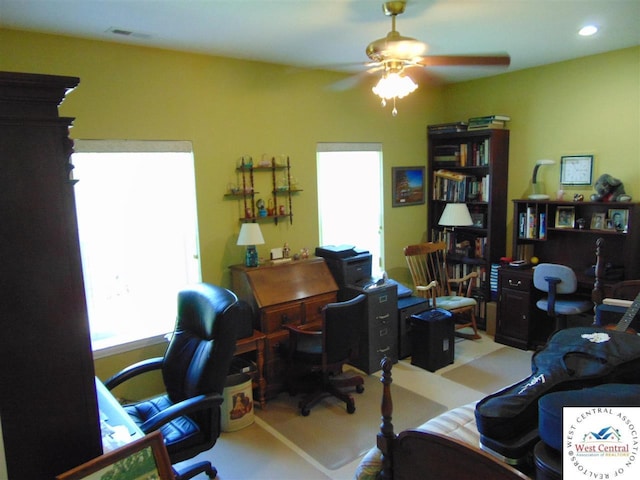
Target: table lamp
(250,235)
(538,186)
(455,215)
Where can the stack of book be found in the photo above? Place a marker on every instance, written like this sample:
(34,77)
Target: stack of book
(489,121)
(447,127)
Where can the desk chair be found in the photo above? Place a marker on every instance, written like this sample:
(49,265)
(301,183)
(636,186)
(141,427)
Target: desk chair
(559,282)
(428,266)
(194,369)
(325,352)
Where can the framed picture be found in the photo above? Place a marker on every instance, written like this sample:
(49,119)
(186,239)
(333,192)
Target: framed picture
(565,217)
(408,186)
(598,221)
(576,170)
(478,220)
(619,218)
(143,458)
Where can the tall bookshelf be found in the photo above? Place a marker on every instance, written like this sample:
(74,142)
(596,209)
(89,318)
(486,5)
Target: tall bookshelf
(470,167)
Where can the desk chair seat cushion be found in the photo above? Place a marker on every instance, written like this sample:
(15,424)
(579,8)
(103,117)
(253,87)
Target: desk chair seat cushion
(181,431)
(453,302)
(566,307)
(550,406)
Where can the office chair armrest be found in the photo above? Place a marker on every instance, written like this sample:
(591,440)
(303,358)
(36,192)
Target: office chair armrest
(551,299)
(185,407)
(133,370)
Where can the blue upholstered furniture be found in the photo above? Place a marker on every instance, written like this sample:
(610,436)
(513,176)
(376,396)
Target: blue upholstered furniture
(194,369)
(560,283)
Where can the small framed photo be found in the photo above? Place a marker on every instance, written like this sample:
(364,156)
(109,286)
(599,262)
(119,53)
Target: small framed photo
(565,217)
(619,218)
(576,170)
(478,220)
(408,186)
(598,221)
(143,458)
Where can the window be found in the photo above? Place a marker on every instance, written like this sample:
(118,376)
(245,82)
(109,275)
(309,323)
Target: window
(137,223)
(350,200)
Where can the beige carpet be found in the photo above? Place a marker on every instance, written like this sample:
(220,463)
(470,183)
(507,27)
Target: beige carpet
(493,371)
(332,436)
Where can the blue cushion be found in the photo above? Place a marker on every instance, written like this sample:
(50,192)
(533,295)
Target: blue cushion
(550,406)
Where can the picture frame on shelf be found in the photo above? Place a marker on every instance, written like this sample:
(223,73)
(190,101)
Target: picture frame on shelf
(576,170)
(598,221)
(619,218)
(408,186)
(478,220)
(565,217)
(148,456)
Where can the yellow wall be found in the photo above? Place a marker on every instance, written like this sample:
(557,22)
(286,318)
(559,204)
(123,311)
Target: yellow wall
(586,106)
(228,108)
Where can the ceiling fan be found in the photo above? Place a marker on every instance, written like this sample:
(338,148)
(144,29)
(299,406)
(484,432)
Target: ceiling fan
(394,53)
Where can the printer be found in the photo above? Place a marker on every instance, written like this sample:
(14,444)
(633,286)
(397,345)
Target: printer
(347,264)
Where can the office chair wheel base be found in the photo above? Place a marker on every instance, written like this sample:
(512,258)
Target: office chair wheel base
(351,408)
(359,388)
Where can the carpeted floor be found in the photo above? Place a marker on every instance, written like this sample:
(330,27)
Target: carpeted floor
(332,436)
(493,371)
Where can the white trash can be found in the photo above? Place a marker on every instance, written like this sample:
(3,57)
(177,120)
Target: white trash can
(237,407)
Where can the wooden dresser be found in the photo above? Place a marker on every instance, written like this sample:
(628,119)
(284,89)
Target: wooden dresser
(290,293)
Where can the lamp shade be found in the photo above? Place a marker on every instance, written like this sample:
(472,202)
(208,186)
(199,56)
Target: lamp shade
(455,215)
(250,234)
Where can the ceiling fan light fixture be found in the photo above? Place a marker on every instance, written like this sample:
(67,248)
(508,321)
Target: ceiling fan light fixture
(394,85)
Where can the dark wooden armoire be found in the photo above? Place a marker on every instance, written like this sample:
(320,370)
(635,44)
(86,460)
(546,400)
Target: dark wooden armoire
(48,406)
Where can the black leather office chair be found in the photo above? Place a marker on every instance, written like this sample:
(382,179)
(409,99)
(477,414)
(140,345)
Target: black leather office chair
(560,282)
(194,369)
(324,353)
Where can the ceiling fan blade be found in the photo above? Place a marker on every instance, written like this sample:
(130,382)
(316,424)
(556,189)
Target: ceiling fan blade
(464,60)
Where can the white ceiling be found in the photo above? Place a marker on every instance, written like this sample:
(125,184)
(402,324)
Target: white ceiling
(331,33)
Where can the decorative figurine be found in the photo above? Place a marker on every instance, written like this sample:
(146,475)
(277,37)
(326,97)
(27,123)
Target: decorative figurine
(262,211)
(286,251)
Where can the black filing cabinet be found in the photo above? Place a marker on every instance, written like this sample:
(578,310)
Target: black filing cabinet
(406,307)
(379,327)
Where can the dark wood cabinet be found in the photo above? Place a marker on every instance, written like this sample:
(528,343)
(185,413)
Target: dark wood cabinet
(47,397)
(519,322)
(470,167)
(562,240)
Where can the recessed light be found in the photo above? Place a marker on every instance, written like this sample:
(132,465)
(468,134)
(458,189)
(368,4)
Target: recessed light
(588,30)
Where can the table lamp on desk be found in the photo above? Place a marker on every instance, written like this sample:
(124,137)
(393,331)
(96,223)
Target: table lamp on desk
(537,187)
(250,235)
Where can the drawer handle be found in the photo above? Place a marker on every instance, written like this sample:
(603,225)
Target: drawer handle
(285,319)
(514,284)
(384,350)
(382,317)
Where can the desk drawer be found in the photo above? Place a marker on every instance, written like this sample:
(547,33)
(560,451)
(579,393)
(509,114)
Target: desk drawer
(515,280)
(274,317)
(313,307)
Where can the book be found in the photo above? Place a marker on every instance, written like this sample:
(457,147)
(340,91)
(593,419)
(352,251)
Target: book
(447,127)
(489,118)
(484,126)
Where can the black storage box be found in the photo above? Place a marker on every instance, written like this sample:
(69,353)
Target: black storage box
(432,339)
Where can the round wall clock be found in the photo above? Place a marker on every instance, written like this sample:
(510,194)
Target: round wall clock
(576,170)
